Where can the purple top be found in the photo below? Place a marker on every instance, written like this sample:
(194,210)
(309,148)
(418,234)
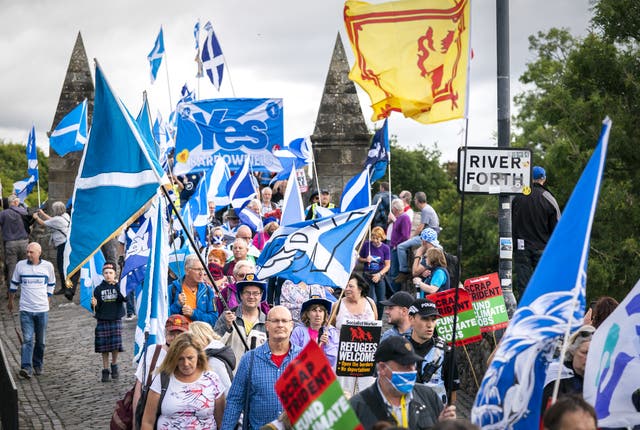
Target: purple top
(401,230)
(379,255)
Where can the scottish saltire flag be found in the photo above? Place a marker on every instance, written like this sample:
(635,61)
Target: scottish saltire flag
(196,34)
(117,176)
(250,219)
(32,155)
(288,161)
(212,58)
(552,306)
(356,193)
(320,251)
(611,378)
(196,211)
(231,128)
(186,95)
(90,278)
(217,180)
(240,187)
(24,187)
(301,148)
(70,134)
(145,124)
(136,256)
(155,56)
(152,301)
(378,155)
(292,206)
(177,256)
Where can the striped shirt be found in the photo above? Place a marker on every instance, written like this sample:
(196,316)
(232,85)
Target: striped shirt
(36,281)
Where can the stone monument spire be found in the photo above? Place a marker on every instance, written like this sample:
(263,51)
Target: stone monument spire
(77,86)
(341,138)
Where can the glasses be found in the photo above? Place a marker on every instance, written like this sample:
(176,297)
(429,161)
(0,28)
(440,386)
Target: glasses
(252,293)
(280,321)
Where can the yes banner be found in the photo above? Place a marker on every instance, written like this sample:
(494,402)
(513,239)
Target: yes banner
(311,394)
(467,330)
(488,302)
(228,128)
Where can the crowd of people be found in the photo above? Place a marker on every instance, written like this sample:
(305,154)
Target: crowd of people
(229,340)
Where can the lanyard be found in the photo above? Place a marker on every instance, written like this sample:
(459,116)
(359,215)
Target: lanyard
(403,421)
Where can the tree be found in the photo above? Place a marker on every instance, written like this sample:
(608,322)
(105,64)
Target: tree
(576,83)
(14,168)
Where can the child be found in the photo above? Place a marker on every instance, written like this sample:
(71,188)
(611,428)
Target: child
(109,310)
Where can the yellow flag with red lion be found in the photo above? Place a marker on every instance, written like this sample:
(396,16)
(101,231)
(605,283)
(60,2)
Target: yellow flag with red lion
(411,56)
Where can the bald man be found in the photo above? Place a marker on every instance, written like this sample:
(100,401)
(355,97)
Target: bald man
(37,280)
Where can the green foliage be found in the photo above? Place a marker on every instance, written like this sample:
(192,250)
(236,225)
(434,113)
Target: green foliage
(14,168)
(576,83)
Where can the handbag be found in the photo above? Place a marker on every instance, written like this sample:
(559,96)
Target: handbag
(144,390)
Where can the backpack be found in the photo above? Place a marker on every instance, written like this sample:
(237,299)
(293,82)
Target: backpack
(380,218)
(225,355)
(453,267)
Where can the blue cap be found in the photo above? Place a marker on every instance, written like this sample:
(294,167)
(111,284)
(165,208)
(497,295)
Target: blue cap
(431,236)
(538,172)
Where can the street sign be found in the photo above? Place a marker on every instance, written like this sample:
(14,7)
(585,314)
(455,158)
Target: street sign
(491,170)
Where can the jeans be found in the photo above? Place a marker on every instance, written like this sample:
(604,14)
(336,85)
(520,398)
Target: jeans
(131,303)
(393,271)
(33,324)
(403,250)
(526,261)
(377,292)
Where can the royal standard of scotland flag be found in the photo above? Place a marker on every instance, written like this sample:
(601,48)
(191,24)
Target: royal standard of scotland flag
(230,128)
(118,175)
(212,58)
(155,56)
(378,155)
(320,251)
(553,304)
(70,134)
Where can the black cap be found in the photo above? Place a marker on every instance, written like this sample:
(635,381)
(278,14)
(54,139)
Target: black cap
(424,308)
(401,298)
(398,349)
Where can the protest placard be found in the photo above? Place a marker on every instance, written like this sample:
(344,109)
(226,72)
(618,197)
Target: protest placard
(488,302)
(467,329)
(358,344)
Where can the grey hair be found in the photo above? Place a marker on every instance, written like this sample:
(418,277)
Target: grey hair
(190,261)
(397,204)
(58,208)
(421,197)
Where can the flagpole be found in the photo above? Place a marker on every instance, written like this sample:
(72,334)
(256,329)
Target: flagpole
(204,265)
(38,183)
(166,68)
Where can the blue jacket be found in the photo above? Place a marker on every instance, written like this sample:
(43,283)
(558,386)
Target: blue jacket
(205,308)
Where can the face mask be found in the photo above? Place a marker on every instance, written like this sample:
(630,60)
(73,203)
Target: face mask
(403,382)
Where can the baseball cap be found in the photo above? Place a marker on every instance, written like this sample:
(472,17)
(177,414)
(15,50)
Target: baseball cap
(401,298)
(424,308)
(177,322)
(398,349)
(539,172)
(431,236)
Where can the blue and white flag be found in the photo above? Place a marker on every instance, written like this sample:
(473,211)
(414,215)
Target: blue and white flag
(144,123)
(301,148)
(218,178)
(90,278)
(241,187)
(320,251)
(196,34)
(32,155)
(136,254)
(196,211)
(155,56)
(356,193)
(70,134)
(292,206)
(186,95)
(24,187)
(552,306)
(231,128)
(177,256)
(611,377)
(378,155)
(111,189)
(288,161)
(212,58)
(250,219)
(152,300)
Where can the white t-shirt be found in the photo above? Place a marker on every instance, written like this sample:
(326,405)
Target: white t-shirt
(189,405)
(36,282)
(144,367)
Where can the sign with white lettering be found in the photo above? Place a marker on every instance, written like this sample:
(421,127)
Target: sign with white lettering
(493,170)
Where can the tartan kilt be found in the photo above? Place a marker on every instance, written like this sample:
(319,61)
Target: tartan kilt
(108,336)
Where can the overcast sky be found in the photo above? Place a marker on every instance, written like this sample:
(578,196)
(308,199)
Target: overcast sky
(277,48)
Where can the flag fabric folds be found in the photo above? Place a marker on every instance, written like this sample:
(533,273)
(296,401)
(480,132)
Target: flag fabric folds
(137,248)
(155,56)
(196,34)
(212,58)
(24,187)
(90,278)
(145,124)
(356,193)
(611,383)
(70,134)
(552,306)
(196,211)
(32,155)
(292,206)
(320,251)
(378,155)
(411,56)
(152,301)
(217,181)
(240,187)
(117,176)
(301,148)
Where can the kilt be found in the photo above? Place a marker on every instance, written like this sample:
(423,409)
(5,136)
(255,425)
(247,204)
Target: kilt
(108,336)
